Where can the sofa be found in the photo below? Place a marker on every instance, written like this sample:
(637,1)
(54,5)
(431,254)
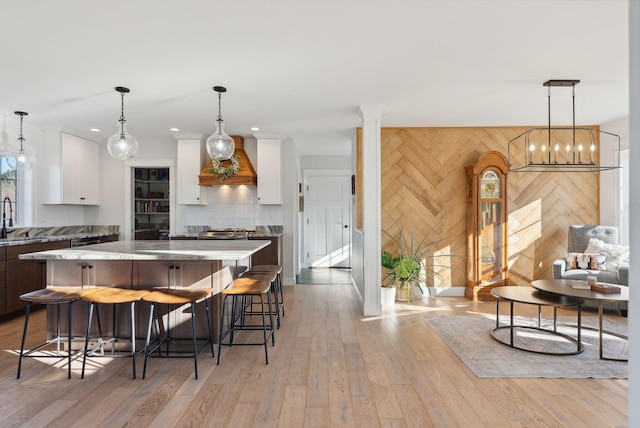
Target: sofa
(595,251)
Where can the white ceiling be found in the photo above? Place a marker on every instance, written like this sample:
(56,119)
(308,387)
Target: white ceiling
(300,69)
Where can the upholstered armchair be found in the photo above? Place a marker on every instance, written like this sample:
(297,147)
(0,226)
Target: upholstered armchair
(605,259)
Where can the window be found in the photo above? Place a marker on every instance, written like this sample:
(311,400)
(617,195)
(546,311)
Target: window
(9,184)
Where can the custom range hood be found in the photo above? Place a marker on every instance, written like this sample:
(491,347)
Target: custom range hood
(246,175)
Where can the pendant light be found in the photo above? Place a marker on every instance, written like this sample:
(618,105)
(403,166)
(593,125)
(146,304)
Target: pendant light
(563,148)
(23,160)
(220,146)
(122,145)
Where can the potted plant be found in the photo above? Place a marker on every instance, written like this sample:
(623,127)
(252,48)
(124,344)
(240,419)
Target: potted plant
(408,269)
(388,291)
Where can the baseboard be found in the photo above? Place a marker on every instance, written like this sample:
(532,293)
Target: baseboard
(447,291)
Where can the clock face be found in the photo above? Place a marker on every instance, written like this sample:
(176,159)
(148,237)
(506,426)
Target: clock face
(490,185)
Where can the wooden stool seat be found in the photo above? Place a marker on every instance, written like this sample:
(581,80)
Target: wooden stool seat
(114,295)
(176,297)
(51,296)
(247,287)
(267,276)
(111,296)
(47,296)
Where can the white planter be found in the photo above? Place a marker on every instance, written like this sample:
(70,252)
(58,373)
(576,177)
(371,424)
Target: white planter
(387,296)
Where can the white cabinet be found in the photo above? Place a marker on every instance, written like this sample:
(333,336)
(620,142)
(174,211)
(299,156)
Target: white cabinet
(269,171)
(74,178)
(191,157)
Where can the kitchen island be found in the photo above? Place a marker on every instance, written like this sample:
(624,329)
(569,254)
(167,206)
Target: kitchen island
(145,265)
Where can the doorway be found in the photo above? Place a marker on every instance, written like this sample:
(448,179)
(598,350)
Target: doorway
(327,219)
(163,189)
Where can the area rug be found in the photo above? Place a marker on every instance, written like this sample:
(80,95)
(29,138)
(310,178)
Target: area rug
(470,338)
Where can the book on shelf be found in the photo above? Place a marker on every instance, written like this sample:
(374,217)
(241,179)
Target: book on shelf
(605,288)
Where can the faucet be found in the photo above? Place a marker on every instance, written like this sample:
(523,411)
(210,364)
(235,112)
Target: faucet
(3,235)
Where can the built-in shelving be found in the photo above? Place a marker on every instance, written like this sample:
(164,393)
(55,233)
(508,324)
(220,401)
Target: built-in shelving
(151,203)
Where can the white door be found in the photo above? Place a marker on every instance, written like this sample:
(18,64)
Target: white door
(328,221)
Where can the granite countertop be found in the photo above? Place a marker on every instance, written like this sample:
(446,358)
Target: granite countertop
(250,234)
(22,240)
(156,250)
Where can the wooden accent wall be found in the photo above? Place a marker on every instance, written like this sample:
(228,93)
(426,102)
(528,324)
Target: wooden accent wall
(423,187)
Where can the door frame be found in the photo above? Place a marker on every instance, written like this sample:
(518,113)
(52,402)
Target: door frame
(128,191)
(306,173)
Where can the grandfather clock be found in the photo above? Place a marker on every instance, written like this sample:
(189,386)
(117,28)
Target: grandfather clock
(486,225)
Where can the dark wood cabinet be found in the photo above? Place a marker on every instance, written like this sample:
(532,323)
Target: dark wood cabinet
(3,281)
(22,275)
(269,255)
(147,235)
(108,238)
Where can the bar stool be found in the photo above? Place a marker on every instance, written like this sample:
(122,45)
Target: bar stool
(272,277)
(172,298)
(51,296)
(278,270)
(111,296)
(247,287)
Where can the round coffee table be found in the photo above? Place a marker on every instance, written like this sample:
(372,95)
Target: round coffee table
(531,296)
(563,287)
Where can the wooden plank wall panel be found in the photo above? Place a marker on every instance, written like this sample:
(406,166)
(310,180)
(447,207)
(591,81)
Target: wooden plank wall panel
(423,187)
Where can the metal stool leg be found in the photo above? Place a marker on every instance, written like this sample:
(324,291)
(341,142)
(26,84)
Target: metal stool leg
(206,304)
(133,336)
(86,340)
(146,345)
(224,304)
(70,337)
(193,332)
(24,335)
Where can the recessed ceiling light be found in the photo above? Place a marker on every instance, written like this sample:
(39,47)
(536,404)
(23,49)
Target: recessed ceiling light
(94,130)
(174,129)
(255,128)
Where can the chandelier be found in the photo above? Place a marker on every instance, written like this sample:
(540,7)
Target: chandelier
(562,148)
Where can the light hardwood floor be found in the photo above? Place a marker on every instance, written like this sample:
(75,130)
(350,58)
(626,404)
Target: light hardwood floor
(330,367)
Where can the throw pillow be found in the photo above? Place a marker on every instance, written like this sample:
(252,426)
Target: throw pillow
(614,254)
(582,261)
(600,261)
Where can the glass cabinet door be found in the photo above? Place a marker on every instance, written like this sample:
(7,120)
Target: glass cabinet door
(490,233)
(490,241)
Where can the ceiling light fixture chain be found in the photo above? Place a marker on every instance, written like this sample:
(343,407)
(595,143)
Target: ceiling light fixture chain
(122,145)
(220,146)
(23,160)
(219,90)
(525,156)
(122,92)
(22,114)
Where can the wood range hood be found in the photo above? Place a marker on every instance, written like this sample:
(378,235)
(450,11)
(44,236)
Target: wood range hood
(246,175)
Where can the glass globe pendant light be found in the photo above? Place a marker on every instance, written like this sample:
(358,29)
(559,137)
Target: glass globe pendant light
(220,146)
(122,145)
(23,160)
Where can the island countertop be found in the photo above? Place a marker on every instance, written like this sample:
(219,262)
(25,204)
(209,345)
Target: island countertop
(156,250)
